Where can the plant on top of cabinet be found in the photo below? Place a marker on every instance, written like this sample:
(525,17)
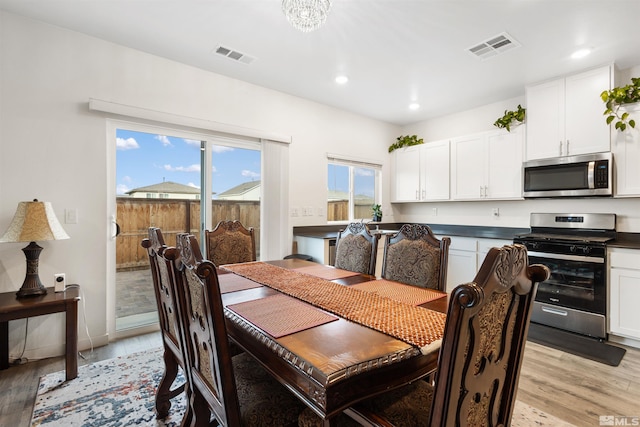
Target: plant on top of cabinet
(405,141)
(617,97)
(506,121)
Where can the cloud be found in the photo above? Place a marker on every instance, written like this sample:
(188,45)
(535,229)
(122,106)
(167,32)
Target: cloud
(126,144)
(250,174)
(192,168)
(191,184)
(364,172)
(193,142)
(164,140)
(220,149)
(127,178)
(122,189)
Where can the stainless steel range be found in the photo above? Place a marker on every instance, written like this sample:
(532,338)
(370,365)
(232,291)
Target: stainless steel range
(573,246)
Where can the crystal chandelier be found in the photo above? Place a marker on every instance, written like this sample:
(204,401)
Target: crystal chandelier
(306,15)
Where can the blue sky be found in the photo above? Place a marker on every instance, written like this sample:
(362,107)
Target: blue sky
(145,159)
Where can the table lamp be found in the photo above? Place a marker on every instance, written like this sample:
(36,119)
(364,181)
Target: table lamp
(33,221)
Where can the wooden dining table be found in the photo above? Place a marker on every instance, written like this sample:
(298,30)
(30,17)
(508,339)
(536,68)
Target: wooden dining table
(335,364)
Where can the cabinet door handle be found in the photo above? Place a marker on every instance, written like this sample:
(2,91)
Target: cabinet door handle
(424,194)
(486,191)
(560,148)
(417,194)
(567,147)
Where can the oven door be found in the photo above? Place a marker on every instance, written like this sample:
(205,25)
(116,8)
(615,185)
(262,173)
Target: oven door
(577,282)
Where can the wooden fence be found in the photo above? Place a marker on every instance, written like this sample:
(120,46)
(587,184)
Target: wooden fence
(172,216)
(175,216)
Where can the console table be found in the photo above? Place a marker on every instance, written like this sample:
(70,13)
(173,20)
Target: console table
(12,308)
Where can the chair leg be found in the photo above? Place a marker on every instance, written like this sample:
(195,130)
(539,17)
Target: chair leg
(164,394)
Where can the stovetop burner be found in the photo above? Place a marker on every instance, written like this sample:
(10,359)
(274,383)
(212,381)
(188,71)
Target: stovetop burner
(594,229)
(566,238)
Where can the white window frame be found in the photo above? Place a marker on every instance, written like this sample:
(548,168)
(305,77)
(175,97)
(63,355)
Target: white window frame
(352,163)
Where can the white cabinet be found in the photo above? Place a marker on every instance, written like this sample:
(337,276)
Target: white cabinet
(626,156)
(624,292)
(421,172)
(487,165)
(564,116)
(461,266)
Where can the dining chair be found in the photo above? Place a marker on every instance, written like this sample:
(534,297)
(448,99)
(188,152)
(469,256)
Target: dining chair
(415,256)
(480,357)
(357,249)
(161,259)
(230,243)
(234,390)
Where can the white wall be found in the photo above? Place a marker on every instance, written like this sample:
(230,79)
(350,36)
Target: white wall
(54,149)
(512,213)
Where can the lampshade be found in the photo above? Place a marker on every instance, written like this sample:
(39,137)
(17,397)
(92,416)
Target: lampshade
(306,15)
(33,221)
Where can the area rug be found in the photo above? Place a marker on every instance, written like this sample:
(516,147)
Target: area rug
(120,392)
(112,393)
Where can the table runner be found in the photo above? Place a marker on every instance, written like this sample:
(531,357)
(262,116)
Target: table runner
(234,283)
(407,294)
(280,315)
(417,326)
(326,272)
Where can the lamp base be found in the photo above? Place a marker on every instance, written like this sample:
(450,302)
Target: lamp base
(32,286)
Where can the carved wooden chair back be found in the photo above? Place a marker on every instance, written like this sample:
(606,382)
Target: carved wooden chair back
(484,340)
(161,259)
(216,378)
(415,256)
(357,249)
(230,243)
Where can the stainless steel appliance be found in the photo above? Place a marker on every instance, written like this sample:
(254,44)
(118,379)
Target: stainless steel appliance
(571,176)
(573,246)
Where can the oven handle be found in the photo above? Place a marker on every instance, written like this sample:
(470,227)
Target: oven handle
(595,260)
(554,311)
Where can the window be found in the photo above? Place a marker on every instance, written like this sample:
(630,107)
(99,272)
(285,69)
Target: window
(353,188)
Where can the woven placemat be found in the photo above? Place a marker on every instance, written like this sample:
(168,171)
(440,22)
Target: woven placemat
(280,315)
(326,272)
(235,283)
(414,325)
(400,292)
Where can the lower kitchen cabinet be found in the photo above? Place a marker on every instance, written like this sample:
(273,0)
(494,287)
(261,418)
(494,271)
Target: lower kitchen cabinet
(624,292)
(466,255)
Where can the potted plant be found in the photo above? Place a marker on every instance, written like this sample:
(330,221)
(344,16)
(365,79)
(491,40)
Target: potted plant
(618,96)
(509,118)
(377,213)
(405,141)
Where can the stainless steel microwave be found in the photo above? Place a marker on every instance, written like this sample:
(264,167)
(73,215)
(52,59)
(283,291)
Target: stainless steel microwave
(585,175)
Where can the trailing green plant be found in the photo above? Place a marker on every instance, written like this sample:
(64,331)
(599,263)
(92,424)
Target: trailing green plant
(618,96)
(405,141)
(506,121)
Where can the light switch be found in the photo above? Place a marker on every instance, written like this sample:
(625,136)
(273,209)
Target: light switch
(71,216)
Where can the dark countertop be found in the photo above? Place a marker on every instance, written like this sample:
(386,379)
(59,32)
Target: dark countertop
(626,240)
(331,231)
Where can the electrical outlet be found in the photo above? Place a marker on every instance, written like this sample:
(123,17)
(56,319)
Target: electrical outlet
(434,211)
(60,282)
(496,212)
(71,216)
(294,212)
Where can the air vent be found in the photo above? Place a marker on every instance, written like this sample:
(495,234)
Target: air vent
(494,46)
(234,54)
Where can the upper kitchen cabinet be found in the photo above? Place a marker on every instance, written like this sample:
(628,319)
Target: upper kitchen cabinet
(487,165)
(625,147)
(421,172)
(564,116)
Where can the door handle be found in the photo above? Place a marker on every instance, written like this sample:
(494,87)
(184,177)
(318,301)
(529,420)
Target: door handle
(117,229)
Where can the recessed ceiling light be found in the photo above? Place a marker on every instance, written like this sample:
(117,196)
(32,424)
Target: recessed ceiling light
(581,53)
(414,106)
(342,80)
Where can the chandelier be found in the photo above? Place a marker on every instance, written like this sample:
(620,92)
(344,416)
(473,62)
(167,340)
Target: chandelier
(306,15)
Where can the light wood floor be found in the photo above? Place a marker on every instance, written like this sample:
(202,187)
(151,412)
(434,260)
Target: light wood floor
(572,388)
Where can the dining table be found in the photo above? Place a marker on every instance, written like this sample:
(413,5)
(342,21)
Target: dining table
(324,350)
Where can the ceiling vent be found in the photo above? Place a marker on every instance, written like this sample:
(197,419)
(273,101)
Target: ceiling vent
(494,46)
(234,54)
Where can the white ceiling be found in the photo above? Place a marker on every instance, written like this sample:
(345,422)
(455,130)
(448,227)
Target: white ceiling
(394,51)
